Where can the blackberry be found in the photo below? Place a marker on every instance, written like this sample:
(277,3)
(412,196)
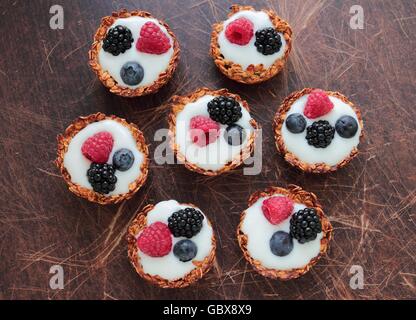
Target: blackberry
(305,225)
(225,110)
(320,134)
(118,40)
(102,177)
(268,41)
(185,223)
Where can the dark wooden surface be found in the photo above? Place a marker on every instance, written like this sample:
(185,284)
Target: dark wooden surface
(46,83)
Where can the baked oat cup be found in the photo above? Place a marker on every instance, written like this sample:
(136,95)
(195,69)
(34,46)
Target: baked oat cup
(251,46)
(103,159)
(211,131)
(133,53)
(172,245)
(284,232)
(318,131)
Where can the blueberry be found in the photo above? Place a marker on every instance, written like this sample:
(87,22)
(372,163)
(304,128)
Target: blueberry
(185,250)
(295,123)
(132,73)
(346,126)
(123,159)
(235,135)
(281,243)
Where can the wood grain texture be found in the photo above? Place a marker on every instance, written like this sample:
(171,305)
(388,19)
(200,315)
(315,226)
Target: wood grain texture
(46,83)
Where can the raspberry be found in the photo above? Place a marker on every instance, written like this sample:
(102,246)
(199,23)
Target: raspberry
(318,104)
(98,147)
(277,209)
(155,240)
(204,130)
(240,31)
(152,39)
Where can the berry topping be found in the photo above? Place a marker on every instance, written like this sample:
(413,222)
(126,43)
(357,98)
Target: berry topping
(281,243)
(132,73)
(225,110)
(185,250)
(346,126)
(320,134)
(186,222)
(295,123)
(268,41)
(123,159)
(152,39)
(277,209)
(98,147)
(318,104)
(102,177)
(204,130)
(155,240)
(118,40)
(240,31)
(305,225)
(235,135)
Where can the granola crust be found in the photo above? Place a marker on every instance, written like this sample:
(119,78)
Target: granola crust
(290,157)
(107,79)
(202,267)
(63,143)
(254,73)
(178,104)
(298,195)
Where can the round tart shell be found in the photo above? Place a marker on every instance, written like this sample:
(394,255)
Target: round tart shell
(254,73)
(280,118)
(64,141)
(202,267)
(178,104)
(107,79)
(297,194)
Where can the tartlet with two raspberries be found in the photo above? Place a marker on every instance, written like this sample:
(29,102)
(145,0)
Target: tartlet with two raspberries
(103,159)
(283,232)
(211,131)
(134,54)
(171,244)
(318,131)
(251,46)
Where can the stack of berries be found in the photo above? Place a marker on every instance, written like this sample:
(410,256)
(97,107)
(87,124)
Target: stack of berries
(304,224)
(156,240)
(102,175)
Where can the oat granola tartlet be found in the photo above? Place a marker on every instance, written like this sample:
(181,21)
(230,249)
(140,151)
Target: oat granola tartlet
(103,158)
(170,244)
(318,131)
(251,46)
(134,54)
(211,131)
(283,232)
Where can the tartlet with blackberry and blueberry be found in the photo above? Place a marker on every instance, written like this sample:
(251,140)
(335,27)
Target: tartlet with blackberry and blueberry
(251,46)
(134,54)
(171,244)
(283,232)
(103,158)
(211,132)
(318,131)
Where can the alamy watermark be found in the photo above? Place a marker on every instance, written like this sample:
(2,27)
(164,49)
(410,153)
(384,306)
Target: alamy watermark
(56,282)
(357,18)
(57,20)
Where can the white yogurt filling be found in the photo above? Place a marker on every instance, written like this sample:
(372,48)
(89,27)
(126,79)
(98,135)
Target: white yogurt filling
(170,267)
(248,55)
(259,232)
(77,164)
(339,149)
(153,64)
(215,155)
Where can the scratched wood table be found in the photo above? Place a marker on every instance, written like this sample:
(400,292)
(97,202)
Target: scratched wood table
(46,83)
